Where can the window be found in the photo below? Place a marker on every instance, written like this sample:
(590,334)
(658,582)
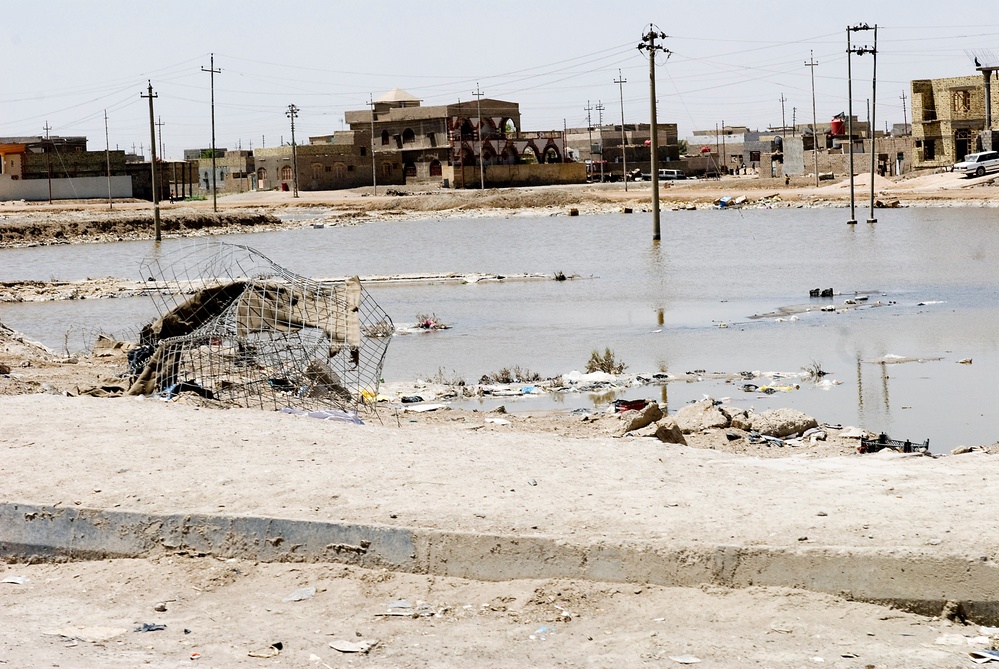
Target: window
(364,151)
(386,169)
(961,101)
(929,149)
(408,136)
(317,171)
(287,173)
(385,138)
(262,174)
(339,171)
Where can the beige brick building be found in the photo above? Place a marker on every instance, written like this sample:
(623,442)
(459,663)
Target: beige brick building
(948,117)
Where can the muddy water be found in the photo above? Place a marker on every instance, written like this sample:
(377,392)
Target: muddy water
(682,305)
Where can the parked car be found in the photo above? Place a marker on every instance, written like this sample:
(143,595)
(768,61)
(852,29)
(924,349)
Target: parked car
(671,174)
(978,164)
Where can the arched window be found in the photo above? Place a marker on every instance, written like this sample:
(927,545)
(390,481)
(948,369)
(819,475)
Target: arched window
(408,136)
(339,171)
(386,169)
(385,137)
(262,174)
(317,171)
(287,173)
(435,168)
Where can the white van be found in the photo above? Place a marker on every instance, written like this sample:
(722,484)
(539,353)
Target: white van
(978,164)
(671,175)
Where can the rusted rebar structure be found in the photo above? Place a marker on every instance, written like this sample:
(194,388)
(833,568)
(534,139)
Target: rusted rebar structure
(238,329)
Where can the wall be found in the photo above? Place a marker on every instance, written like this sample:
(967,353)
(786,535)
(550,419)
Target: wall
(505,176)
(82,188)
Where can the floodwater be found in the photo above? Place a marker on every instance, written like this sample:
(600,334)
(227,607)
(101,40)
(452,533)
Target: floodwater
(680,305)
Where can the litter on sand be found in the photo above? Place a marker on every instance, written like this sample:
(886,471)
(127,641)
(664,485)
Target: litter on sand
(301,594)
(362,646)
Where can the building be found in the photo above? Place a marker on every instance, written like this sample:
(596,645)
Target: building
(952,117)
(235,171)
(450,143)
(329,162)
(600,146)
(42,168)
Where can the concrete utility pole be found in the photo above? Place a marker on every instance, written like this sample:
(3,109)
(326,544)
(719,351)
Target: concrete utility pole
(48,158)
(292,113)
(159,132)
(212,72)
(874,107)
(783,122)
(107,155)
(600,124)
(374,171)
(482,165)
(849,120)
(815,138)
(905,120)
(621,81)
(589,134)
(152,163)
(648,44)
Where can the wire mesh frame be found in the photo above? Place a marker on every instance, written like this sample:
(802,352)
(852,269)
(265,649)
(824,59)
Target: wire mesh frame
(264,337)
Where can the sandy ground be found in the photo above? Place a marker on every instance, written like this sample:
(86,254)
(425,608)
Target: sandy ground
(541,475)
(84,614)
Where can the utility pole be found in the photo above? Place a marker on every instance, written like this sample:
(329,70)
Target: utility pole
(152,163)
(874,108)
(849,121)
(815,138)
(374,171)
(905,120)
(600,110)
(478,106)
(589,134)
(211,73)
(107,155)
(48,158)
(783,123)
(648,44)
(159,129)
(794,120)
(292,113)
(621,81)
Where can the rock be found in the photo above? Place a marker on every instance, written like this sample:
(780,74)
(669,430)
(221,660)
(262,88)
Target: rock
(668,432)
(699,416)
(852,433)
(776,422)
(636,420)
(961,450)
(732,413)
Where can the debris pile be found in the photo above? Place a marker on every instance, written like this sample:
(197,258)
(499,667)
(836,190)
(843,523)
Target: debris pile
(243,331)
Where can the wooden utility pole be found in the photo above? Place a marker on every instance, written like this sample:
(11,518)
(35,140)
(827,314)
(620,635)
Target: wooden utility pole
(648,44)
(211,73)
(292,113)
(482,166)
(815,138)
(621,81)
(152,163)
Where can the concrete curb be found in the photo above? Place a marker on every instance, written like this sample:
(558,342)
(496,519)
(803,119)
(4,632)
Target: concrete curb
(905,578)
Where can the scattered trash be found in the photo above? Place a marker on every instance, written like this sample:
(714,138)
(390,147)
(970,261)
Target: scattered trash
(882,442)
(272,650)
(685,659)
(16,580)
(150,627)
(421,408)
(410,399)
(542,633)
(983,656)
(195,656)
(362,646)
(621,406)
(964,361)
(820,292)
(301,594)
(88,634)
(327,414)
(160,608)
(498,421)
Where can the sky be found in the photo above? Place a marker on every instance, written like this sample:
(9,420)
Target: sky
(68,62)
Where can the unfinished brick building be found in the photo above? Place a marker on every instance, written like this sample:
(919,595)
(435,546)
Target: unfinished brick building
(949,119)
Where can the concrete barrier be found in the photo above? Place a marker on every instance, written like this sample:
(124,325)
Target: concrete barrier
(905,578)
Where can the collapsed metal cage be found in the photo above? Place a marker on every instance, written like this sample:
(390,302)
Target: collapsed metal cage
(236,328)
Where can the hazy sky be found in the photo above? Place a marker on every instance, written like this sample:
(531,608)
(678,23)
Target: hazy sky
(69,61)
